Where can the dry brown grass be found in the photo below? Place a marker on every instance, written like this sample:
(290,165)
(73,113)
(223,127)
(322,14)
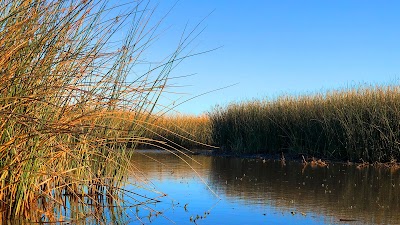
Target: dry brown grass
(64,98)
(182,131)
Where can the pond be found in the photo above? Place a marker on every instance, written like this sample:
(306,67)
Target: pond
(227,190)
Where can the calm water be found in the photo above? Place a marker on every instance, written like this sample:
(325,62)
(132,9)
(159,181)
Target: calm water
(250,191)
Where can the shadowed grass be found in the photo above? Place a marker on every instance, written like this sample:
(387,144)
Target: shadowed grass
(360,123)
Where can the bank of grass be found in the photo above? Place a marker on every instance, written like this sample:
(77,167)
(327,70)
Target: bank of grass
(180,132)
(63,104)
(349,124)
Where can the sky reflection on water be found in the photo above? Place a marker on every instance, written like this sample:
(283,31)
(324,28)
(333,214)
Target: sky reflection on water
(252,192)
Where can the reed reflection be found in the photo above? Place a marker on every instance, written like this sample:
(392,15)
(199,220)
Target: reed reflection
(370,195)
(339,191)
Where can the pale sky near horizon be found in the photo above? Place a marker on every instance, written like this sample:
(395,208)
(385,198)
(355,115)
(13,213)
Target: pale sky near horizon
(270,48)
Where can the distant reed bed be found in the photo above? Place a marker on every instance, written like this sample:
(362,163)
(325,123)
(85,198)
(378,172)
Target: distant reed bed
(350,124)
(179,132)
(63,101)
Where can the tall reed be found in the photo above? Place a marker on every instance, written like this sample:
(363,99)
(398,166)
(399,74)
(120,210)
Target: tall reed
(350,124)
(63,73)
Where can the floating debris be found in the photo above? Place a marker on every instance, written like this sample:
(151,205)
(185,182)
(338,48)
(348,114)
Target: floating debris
(314,162)
(283,160)
(362,165)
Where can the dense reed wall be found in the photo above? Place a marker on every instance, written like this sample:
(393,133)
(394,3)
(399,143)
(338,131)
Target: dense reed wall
(353,124)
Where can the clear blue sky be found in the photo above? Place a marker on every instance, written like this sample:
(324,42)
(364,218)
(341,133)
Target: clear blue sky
(270,48)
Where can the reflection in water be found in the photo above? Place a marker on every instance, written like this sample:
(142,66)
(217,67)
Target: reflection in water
(369,195)
(253,191)
(77,209)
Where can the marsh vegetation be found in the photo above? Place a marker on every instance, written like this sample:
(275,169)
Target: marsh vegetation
(349,124)
(70,118)
(358,124)
(67,108)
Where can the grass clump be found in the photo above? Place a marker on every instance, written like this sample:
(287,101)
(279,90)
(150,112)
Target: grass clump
(351,124)
(64,98)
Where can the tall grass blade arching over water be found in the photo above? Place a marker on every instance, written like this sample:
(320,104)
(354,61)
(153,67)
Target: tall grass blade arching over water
(65,106)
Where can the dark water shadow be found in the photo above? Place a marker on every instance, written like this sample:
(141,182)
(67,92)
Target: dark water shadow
(369,195)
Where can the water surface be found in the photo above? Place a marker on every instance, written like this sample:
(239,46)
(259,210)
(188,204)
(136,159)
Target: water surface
(222,190)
